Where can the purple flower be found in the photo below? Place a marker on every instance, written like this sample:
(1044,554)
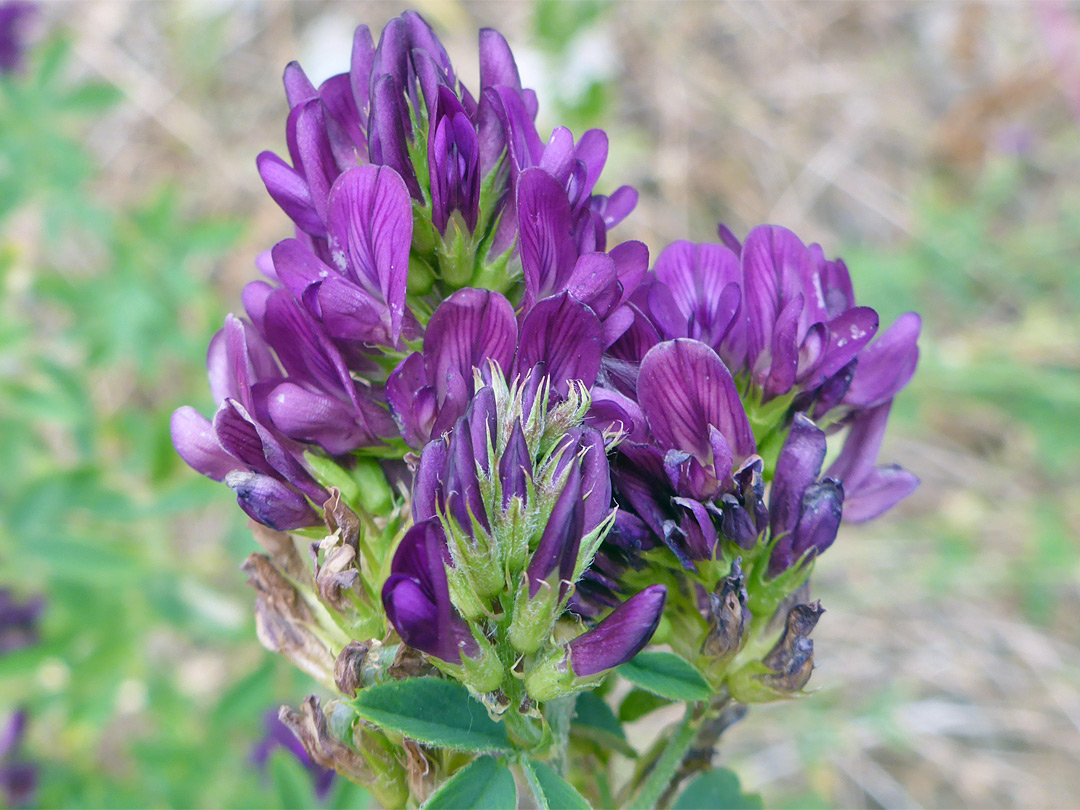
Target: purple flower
(430,389)
(700,297)
(555,260)
(620,636)
(361,298)
(802,324)
(242,447)
(870,491)
(804,513)
(278,735)
(326,134)
(319,401)
(18,778)
(18,621)
(417,596)
(15,18)
(700,463)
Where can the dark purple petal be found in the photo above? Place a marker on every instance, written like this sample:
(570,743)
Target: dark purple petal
(887,364)
(784,355)
(617,207)
(468,328)
(259,450)
(592,151)
(619,637)
(848,333)
(705,282)
(453,162)
(860,451)
(314,152)
(566,336)
(429,480)
(417,596)
(822,504)
(797,467)
(497,66)
(683,389)
(298,87)
(774,262)
(879,492)
(271,502)
(595,479)
(289,189)
(594,282)
(558,547)
(370,225)
(309,416)
(547,246)
(195,440)
(515,467)
(360,65)
(386,132)
(413,403)
(728,237)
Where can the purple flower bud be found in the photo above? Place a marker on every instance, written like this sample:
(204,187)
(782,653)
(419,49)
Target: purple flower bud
(620,636)
(515,467)
(417,597)
(271,502)
(453,162)
(819,517)
(797,467)
(558,547)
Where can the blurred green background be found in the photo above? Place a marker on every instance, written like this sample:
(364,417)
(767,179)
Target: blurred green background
(934,146)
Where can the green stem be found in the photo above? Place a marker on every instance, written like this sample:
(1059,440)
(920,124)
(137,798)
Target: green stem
(648,795)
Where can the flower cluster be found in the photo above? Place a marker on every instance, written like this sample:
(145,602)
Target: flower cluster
(528,447)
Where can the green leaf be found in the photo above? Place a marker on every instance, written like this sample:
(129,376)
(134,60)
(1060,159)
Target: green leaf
(551,790)
(639,703)
(666,675)
(432,711)
(482,784)
(719,789)
(595,721)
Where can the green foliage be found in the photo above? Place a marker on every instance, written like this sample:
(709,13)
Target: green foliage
(483,784)
(717,790)
(594,720)
(552,792)
(666,675)
(432,711)
(148,687)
